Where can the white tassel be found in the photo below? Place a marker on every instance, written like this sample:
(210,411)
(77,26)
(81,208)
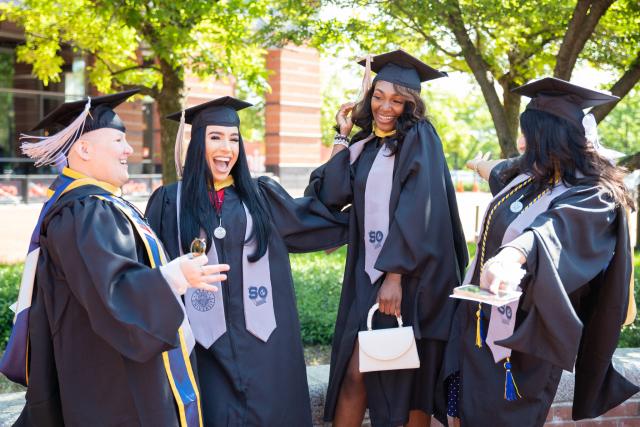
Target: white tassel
(178,150)
(591,134)
(591,130)
(46,150)
(366,79)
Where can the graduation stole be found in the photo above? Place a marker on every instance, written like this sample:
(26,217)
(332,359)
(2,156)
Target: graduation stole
(15,360)
(176,361)
(503,319)
(206,309)
(377,196)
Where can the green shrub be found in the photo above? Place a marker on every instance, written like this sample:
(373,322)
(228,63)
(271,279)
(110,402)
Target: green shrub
(318,282)
(10,276)
(630,336)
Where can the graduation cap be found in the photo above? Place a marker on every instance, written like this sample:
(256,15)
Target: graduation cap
(400,68)
(219,112)
(75,119)
(563,99)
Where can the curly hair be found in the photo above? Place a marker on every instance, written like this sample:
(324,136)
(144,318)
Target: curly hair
(414,111)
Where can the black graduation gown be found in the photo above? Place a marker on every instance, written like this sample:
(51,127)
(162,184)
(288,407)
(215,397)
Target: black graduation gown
(244,381)
(578,260)
(425,244)
(99,321)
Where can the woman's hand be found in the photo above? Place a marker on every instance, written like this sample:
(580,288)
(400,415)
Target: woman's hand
(474,163)
(390,294)
(201,276)
(503,271)
(343,119)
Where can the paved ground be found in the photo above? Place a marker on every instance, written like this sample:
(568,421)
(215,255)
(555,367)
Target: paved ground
(16,225)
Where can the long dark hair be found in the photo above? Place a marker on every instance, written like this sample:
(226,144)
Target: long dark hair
(555,148)
(414,111)
(196,211)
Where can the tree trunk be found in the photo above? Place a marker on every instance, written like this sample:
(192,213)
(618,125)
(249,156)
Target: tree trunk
(169,101)
(480,69)
(512,115)
(586,16)
(621,88)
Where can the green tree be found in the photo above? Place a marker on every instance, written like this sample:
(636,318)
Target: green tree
(463,125)
(145,43)
(502,43)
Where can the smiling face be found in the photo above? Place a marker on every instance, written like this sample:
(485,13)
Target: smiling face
(386,106)
(222,144)
(102,154)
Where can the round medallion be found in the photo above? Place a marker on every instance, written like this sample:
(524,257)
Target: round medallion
(220,232)
(203,300)
(198,246)
(516,207)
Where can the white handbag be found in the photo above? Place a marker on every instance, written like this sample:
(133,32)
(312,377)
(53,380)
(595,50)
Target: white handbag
(387,349)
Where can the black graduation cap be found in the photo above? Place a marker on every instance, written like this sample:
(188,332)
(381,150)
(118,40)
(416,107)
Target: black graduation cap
(101,114)
(221,111)
(562,99)
(401,68)
(75,119)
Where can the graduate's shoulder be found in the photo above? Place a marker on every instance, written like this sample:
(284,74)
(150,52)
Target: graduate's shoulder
(81,206)
(268,185)
(596,197)
(165,192)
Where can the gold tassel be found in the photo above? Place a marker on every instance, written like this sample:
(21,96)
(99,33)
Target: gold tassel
(478,321)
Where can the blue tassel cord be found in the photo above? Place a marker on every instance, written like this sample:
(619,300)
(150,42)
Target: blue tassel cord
(511,392)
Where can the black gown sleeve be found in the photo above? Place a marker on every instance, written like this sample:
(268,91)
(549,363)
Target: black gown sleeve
(129,304)
(424,230)
(425,240)
(332,183)
(579,258)
(496,181)
(304,223)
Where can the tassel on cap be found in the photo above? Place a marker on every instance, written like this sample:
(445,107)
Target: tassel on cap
(511,392)
(179,147)
(366,79)
(46,150)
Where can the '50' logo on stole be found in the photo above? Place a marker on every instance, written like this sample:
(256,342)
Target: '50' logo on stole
(375,237)
(258,294)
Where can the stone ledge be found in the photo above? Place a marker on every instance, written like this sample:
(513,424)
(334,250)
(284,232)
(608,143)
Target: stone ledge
(626,360)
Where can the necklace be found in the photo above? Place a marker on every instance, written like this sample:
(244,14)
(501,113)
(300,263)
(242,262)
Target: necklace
(219,232)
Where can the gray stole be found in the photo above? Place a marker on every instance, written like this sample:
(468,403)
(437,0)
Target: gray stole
(503,319)
(377,196)
(205,309)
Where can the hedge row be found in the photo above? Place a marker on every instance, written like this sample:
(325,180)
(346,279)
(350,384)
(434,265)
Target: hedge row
(318,280)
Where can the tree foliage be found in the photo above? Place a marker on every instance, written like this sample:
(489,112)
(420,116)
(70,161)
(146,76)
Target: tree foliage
(502,43)
(145,43)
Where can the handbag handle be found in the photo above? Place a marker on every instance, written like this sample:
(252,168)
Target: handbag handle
(372,310)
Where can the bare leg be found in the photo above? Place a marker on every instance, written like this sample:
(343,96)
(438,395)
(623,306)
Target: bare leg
(418,418)
(453,421)
(352,400)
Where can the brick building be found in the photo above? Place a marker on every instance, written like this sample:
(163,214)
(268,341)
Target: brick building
(290,149)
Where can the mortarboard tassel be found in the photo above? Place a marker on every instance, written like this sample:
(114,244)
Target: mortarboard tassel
(46,150)
(511,392)
(481,331)
(366,79)
(179,147)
